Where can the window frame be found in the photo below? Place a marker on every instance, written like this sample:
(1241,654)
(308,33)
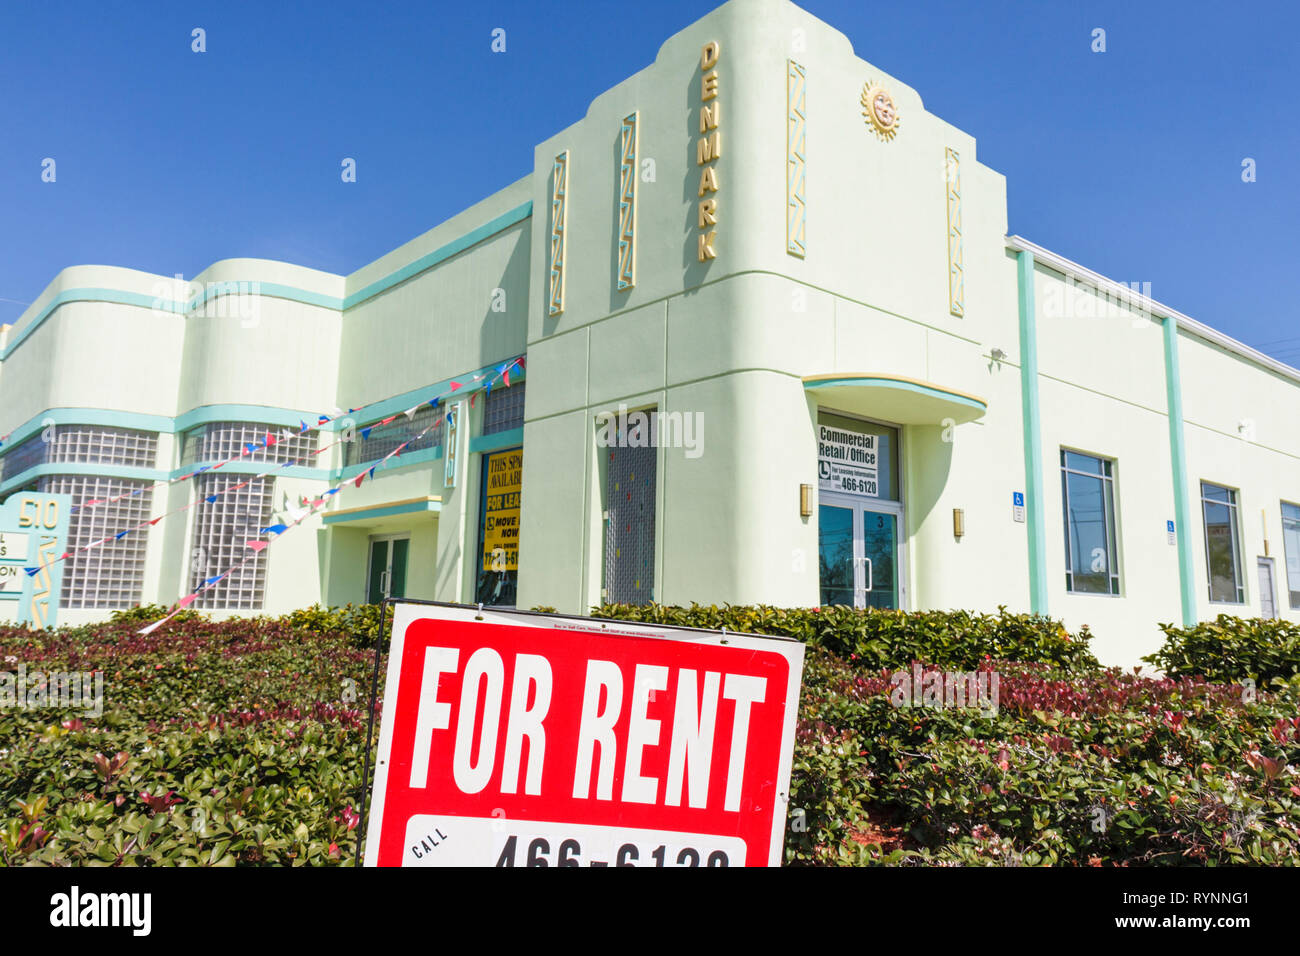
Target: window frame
(1233,504)
(1293,593)
(1110,521)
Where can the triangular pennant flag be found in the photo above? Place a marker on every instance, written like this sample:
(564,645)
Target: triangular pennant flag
(360,478)
(210,498)
(31,572)
(215,579)
(332,491)
(270,439)
(156,520)
(322,419)
(121,534)
(304,425)
(257,545)
(471,399)
(488,390)
(455,385)
(187,600)
(505,376)
(433,402)
(275,528)
(410,412)
(388,419)
(65,555)
(91,504)
(365,432)
(372,471)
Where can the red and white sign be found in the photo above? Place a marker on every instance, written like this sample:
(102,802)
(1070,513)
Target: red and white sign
(515,739)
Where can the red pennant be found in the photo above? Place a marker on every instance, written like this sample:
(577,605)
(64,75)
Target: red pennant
(257,545)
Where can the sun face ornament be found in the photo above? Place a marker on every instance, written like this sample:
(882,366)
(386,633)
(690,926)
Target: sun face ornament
(879,110)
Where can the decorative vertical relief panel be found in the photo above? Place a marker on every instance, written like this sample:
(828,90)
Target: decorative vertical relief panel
(956,275)
(627,177)
(796,158)
(559,212)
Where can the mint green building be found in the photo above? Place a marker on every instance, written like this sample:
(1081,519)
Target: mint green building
(777,347)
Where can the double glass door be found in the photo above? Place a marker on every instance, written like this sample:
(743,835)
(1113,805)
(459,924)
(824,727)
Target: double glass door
(387,573)
(858,552)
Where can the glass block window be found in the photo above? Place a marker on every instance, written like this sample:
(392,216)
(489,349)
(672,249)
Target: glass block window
(84,444)
(222,529)
(504,409)
(1222,544)
(1091,544)
(219,441)
(112,574)
(384,438)
(90,444)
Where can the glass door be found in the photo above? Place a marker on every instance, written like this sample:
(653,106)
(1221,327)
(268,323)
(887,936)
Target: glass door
(858,553)
(387,573)
(837,555)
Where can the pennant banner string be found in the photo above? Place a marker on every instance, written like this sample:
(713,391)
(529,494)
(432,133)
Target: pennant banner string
(319,503)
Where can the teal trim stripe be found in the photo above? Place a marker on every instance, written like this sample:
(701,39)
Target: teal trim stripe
(81,468)
(272,290)
(1178,462)
(497,440)
(370,514)
(1035,513)
(105,418)
(441,254)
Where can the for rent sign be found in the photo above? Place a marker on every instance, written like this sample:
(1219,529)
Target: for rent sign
(513,739)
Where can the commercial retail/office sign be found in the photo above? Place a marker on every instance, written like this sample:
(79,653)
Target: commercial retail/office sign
(519,739)
(504,480)
(33,537)
(847,461)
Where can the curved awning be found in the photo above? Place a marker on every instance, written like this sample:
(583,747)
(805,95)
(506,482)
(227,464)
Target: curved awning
(907,401)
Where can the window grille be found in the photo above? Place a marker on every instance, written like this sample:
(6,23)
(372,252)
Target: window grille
(630,525)
(504,409)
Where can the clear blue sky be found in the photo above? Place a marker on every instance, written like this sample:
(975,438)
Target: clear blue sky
(1128,162)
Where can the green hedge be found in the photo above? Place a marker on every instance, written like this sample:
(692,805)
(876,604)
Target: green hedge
(889,639)
(1231,649)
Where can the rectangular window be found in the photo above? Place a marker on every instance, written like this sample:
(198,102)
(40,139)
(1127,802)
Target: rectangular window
(503,409)
(380,440)
(1091,543)
(631,468)
(1222,544)
(1291,541)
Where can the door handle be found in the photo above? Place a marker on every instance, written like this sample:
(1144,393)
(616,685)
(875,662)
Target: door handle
(870,574)
(385,581)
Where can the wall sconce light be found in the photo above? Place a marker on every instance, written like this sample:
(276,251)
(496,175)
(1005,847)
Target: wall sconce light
(997,355)
(805,500)
(958,523)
